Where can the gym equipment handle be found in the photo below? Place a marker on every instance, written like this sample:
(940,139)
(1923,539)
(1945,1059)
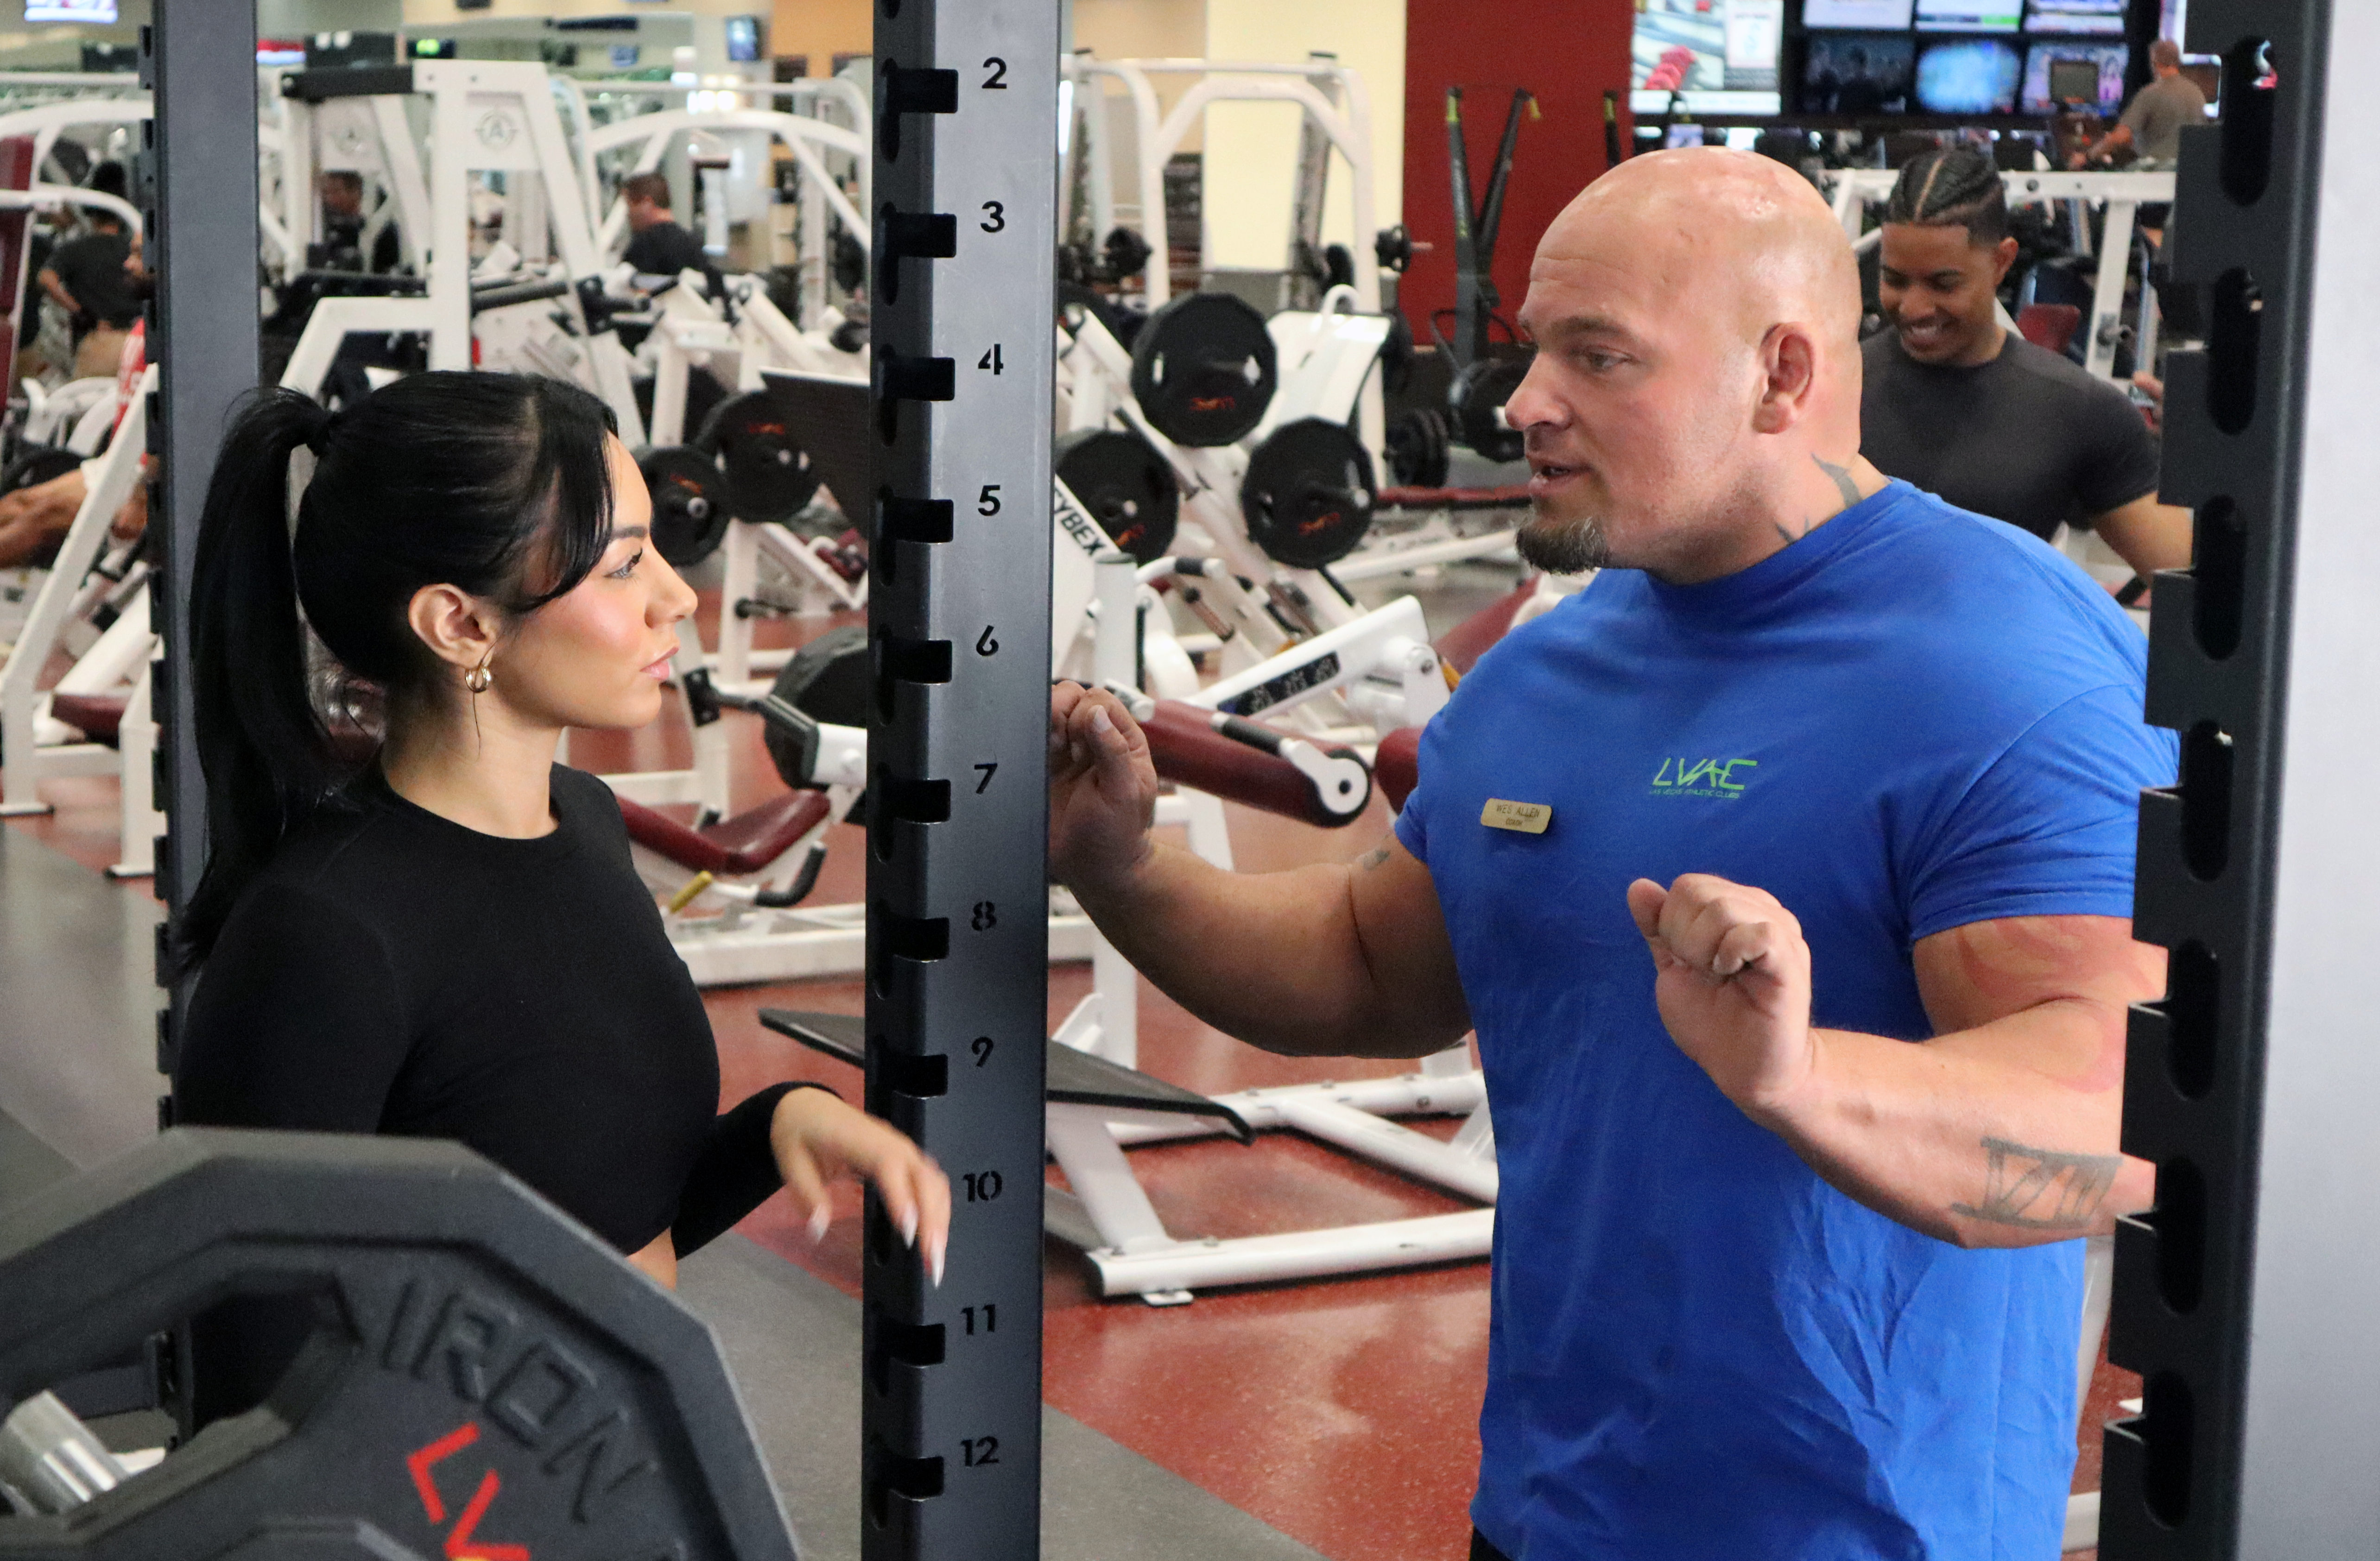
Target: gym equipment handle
(1247,763)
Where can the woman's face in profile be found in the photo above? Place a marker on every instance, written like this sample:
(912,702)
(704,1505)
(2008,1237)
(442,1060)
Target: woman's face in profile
(597,656)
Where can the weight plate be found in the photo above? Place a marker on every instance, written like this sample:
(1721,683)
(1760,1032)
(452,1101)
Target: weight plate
(828,680)
(769,473)
(479,1375)
(1308,493)
(1126,485)
(35,464)
(690,512)
(1204,369)
(1478,394)
(1417,448)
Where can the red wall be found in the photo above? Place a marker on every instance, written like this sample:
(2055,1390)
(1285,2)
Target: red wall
(1569,53)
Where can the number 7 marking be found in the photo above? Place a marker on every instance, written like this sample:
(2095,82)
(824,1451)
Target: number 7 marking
(989,771)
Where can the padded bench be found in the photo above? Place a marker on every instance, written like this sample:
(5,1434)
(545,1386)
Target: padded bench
(734,848)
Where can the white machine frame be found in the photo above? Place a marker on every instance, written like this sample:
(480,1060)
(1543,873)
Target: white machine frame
(40,749)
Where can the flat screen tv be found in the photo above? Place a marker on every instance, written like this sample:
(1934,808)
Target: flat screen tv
(2081,18)
(1970,16)
(96,12)
(1874,15)
(1857,72)
(744,40)
(2061,73)
(1964,76)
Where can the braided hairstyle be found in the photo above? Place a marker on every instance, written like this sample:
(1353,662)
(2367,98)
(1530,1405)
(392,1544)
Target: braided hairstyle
(1951,187)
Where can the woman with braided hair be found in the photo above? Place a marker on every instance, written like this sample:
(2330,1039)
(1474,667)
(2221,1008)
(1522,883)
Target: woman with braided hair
(1957,404)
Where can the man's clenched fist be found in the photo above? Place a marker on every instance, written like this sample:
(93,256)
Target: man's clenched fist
(1732,981)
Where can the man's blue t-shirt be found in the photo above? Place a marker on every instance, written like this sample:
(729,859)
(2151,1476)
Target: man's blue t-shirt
(1911,719)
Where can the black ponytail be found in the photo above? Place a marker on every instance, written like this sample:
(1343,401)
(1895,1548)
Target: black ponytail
(1951,187)
(496,484)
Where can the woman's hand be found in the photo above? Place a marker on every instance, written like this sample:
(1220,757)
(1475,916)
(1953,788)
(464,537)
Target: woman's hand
(818,1137)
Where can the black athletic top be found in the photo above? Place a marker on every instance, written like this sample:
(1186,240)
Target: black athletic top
(393,972)
(2030,438)
(664,249)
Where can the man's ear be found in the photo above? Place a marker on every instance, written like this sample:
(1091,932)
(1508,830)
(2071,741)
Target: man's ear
(2003,256)
(459,628)
(1789,370)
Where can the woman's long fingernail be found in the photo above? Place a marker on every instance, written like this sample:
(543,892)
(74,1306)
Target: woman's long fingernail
(820,1218)
(934,1262)
(909,1228)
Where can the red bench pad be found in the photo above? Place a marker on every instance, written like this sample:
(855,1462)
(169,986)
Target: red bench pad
(96,716)
(734,848)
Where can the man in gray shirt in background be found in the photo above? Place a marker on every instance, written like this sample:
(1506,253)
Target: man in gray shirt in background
(2151,123)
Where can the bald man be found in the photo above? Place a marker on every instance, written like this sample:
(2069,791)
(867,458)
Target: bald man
(1799,981)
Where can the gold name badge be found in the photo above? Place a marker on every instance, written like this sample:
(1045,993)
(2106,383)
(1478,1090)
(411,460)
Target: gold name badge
(1528,818)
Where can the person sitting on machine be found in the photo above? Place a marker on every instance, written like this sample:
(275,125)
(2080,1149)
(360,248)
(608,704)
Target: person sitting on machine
(90,277)
(657,245)
(2151,123)
(1959,405)
(449,940)
(343,220)
(1786,874)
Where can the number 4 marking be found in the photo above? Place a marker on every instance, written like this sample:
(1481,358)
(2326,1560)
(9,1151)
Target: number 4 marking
(991,360)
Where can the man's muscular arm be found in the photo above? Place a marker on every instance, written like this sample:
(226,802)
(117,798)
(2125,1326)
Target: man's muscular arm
(2001,1131)
(2147,535)
(1337,960)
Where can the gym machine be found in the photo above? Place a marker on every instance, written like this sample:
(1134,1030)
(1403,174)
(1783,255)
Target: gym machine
(2250,1084)
(96,719)
(1482,381)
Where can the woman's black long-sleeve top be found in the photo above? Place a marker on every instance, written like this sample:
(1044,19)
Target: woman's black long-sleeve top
(392,971)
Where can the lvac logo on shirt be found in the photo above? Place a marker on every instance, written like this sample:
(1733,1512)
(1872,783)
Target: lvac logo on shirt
(1701,777)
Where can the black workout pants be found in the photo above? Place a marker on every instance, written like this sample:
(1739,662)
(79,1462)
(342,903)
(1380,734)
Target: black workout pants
(1482,1551)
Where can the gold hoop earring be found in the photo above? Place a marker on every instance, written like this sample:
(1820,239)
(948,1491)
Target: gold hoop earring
(480,678)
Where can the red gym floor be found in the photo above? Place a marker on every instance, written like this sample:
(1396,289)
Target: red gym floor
(1342,1412)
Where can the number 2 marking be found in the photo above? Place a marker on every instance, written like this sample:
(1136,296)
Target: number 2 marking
(998,80)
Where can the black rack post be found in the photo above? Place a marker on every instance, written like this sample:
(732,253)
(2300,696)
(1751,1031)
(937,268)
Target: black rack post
(966,127)
(197,189)
(2241,1297)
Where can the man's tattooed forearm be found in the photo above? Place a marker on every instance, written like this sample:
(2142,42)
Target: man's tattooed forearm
(2041,1188)
(1842,476)
(1789,533)
(1377,856)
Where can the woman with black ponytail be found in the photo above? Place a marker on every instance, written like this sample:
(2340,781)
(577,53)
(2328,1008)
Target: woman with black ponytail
(445,938)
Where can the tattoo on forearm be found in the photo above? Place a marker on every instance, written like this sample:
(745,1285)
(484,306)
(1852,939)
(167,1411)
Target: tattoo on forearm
(1790,536)
(1842,476)
(2041,1189)
(1372,859)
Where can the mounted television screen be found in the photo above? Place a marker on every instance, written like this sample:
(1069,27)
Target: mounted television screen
(2057,74)
(1970,16)
(1968,75)
(1706,47)
(1857,72)
(1874,15)
(744,40)
(2100,18)
(98,12)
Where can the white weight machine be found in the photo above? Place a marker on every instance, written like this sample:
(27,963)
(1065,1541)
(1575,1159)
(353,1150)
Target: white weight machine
(93,605)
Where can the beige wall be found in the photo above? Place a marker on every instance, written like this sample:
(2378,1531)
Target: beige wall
(823,29)
(1250,148)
